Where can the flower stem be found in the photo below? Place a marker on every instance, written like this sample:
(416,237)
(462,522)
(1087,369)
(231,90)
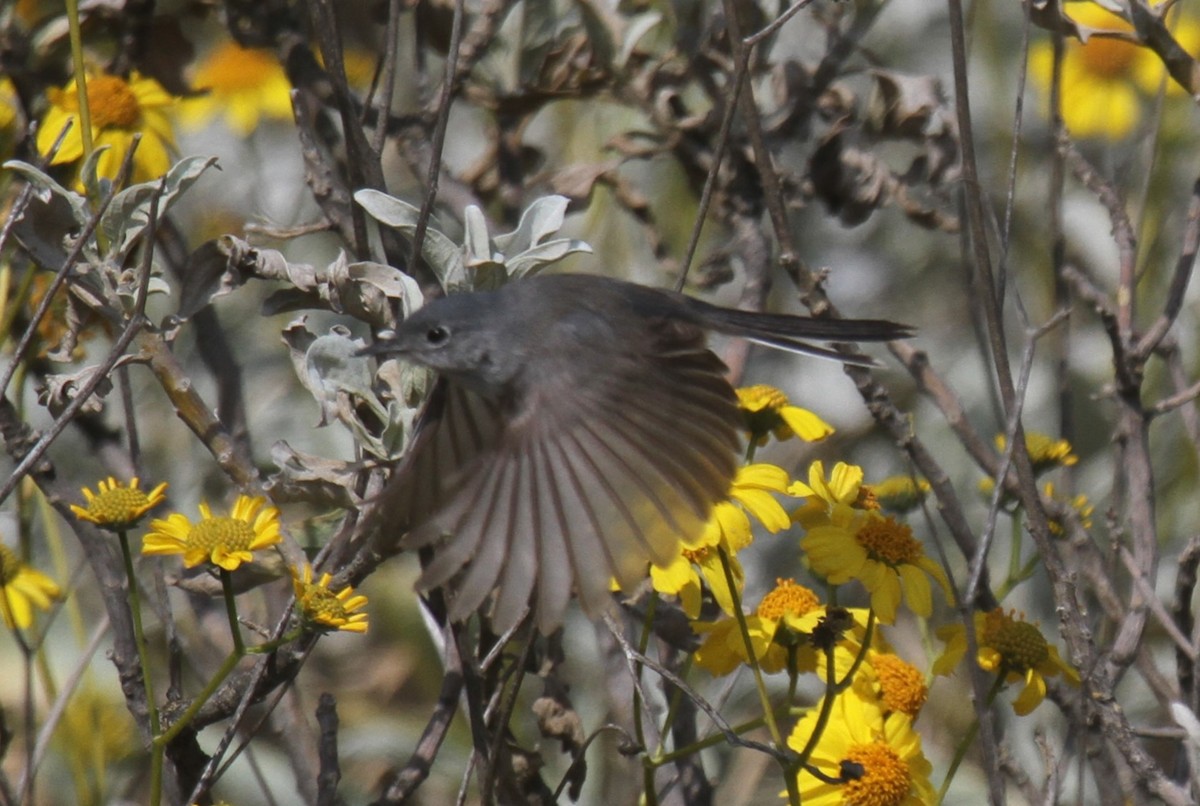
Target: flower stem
(968,741)
(239,648)
(751,658)
(139,640)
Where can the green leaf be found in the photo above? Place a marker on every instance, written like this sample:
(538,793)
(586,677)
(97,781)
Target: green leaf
(531,261)
(443,255)
(45,187)
(129,213)
(543,217)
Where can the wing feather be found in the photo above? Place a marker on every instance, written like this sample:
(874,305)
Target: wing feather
(584,476)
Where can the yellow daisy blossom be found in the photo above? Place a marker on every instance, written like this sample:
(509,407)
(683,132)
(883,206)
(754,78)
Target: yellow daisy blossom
(244,86)
(226,541)
(880,552)
(767,411)
(21,588)
(10,105)
(1083,509)
(865,758)
(1045,452)
(688,574)
(788,605)
(894,682)
(323,609)
(1011,647)
(1105,78)
(119,109)
(118,507)
(844,486)
(728,528)
(900,494)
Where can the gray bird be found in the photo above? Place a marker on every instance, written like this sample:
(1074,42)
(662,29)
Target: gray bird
(580,430)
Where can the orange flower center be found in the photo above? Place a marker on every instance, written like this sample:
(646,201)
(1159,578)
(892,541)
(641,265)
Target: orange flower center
(231,68)
(888,540)
(1108,58)
(885,780)
(112,103)
(787,599)
(229,533)
(903,687)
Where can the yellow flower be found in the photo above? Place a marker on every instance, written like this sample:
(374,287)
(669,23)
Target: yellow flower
(880,552)
(1045,452)
(845,486)
(1101,78)
(787,605)
(751,494)
(325,610)
(244,85)
(117,507)
(1083,509)
(728,528)
(225,541)
(865,758)
(119,109)
(10,105)
(894,682)
(900,494)
(768,411)
(680,578)
(21,587)
(1010,647)
(99,721)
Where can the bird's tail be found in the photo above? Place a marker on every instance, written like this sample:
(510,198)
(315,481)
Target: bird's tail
(792,333)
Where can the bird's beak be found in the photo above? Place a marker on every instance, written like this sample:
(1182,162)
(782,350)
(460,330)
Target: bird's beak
(382,346)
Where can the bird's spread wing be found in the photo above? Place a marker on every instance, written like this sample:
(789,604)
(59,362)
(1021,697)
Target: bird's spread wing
(541,496)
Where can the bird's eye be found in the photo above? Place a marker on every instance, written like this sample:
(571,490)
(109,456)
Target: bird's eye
(437,335)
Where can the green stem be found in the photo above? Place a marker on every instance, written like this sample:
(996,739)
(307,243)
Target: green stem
(703,744)
(139,640)
(239,648)
(85,118)
(968,741)
(186,717)
(1014,556)
(751,658)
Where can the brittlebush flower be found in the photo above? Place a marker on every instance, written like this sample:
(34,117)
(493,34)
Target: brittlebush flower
(244,86)
(119,109)
(21,589)
(322,609)
(844,486)
(1104,79)
(1045,452)
(897,685)
(10,106)
(767,411)
(866,758)
(1083,509)
(900,494)
(878,551)
(118,507)
(728,529)
(1011,647)
(226,541)
(789,607)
